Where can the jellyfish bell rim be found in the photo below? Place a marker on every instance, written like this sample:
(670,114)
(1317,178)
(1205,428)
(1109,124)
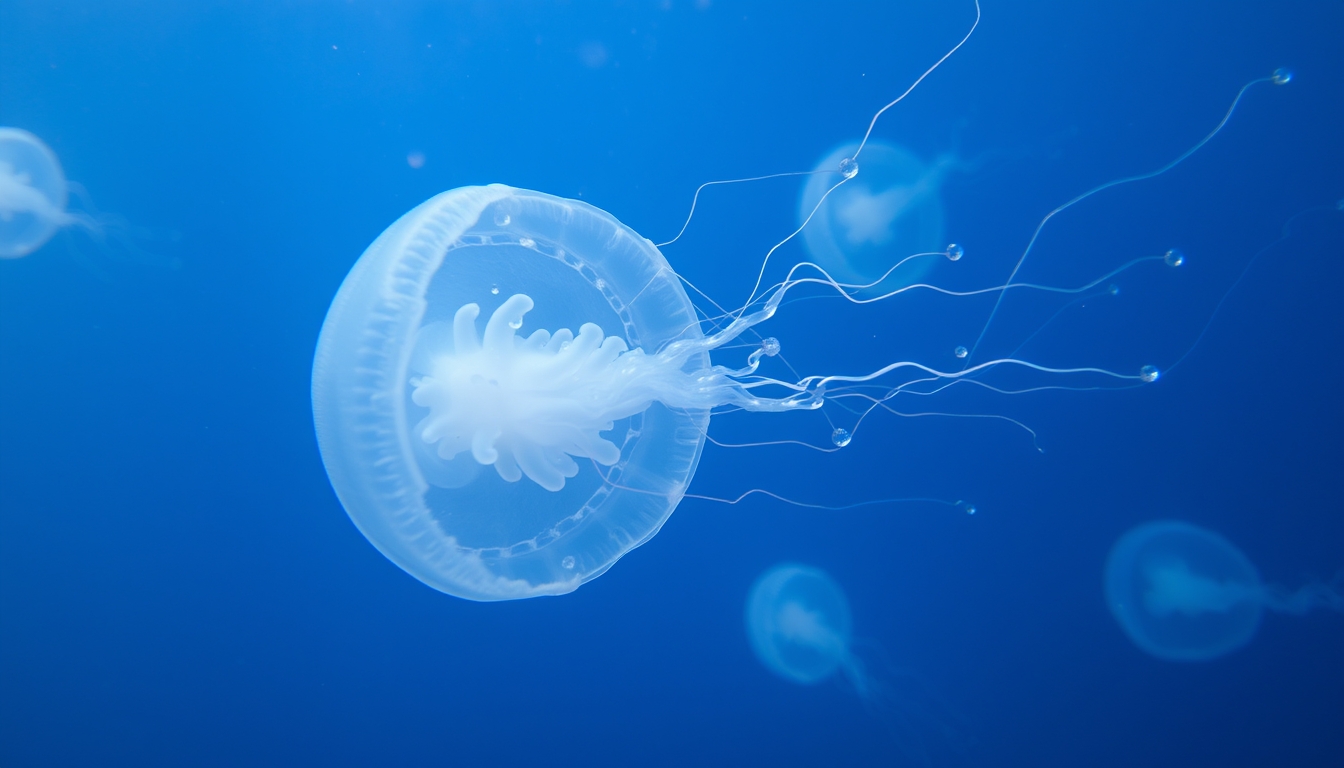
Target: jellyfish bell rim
(1122,561)
(360,411)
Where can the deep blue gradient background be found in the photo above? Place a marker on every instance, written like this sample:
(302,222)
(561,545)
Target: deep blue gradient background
(179,586)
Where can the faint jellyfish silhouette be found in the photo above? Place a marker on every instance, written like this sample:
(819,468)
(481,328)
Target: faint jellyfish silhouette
(1183,593)
(800,628)
(890,210)
(34,204)
(33,194)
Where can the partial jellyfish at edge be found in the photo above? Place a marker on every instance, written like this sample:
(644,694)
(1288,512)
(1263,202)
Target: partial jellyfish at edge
(1184,593)
(890,211)
(33,195)
(35,206)
(799,625)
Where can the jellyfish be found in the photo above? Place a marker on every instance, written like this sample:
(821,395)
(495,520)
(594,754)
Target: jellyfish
(33,194)
(34,206)
(800,628)
(891,211)
(1183,593)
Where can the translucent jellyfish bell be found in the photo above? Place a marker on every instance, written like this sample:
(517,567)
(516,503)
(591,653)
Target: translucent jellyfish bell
(33,193)
(799,623)
(516,457)
(1183,593)
(889,210)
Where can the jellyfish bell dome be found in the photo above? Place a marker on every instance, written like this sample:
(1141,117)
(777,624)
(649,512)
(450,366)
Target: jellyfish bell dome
(33,193)
(1183,593)
(799,623)
(469,483)
(891,210)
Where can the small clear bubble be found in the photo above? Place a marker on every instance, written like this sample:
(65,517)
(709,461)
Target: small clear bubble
(961,352)
(955,252)
(494,289)
(841,437)
(1150,373)
(568,562)
(968,508)
(770,346)
(1282,76)
(502,219)
(849,167)
(1174,257)
(526,242)
(516,324)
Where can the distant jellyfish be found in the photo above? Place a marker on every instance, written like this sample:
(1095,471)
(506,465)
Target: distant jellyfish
(890,210)
(1183,593)
(477,441)
(33,194)
(800,628)
(34,197)
(799,624)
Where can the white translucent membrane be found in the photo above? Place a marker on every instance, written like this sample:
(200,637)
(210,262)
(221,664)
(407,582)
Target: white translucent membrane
(799,625)
(890,210)
(453,523)
(1183,593)
(33,194)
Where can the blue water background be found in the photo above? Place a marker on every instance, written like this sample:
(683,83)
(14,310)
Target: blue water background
(179,585)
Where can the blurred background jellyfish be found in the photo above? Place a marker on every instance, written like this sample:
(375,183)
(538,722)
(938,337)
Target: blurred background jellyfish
(800,628)
(34,206)
(890,210)
(1183,593)
(33,194)
(799,625)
